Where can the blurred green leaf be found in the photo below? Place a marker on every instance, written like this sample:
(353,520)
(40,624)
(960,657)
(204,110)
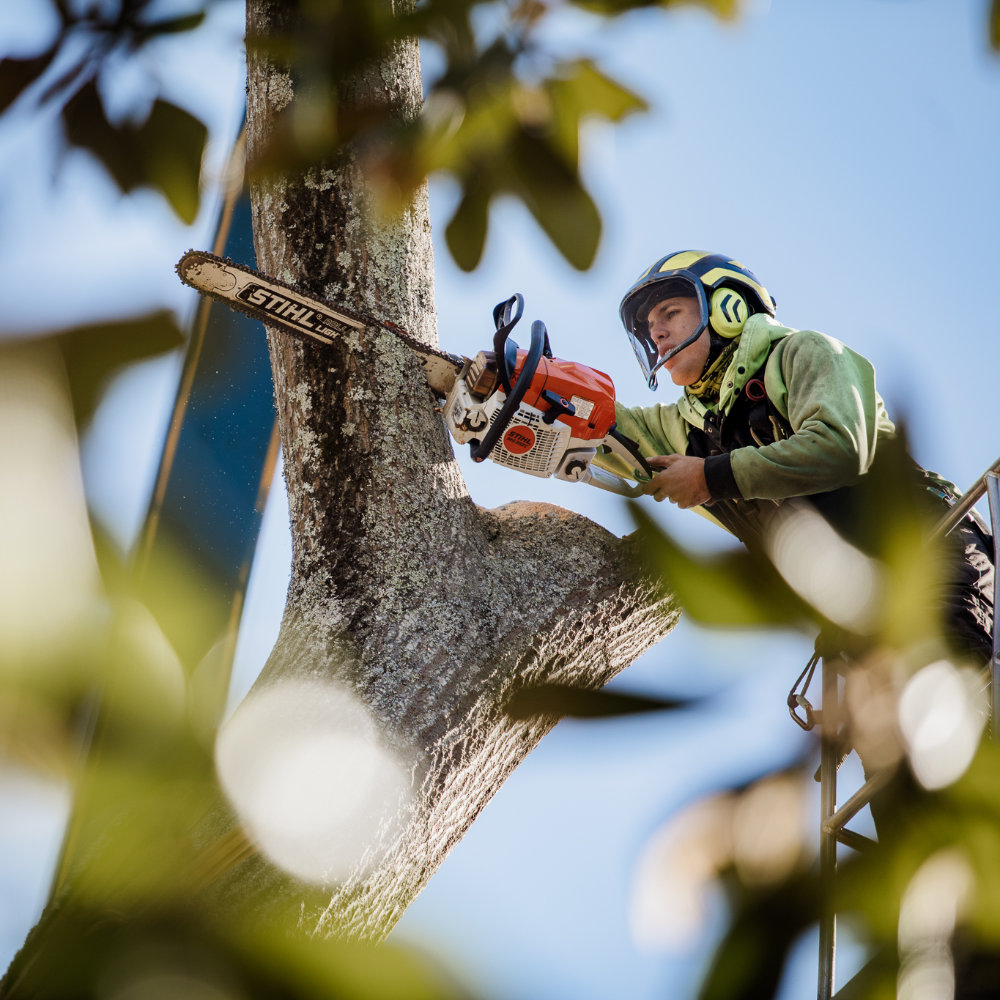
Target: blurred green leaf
(892,517)
(111,561)
(497,133)
(466,230)
(172,143)
(555,196)
(87,126)
(318,968)
(164,152)
(93,354)
(580,703)
(473,138)
(181,588)
(133,843)
(735,588)
(181,949)
(994,25)
(725,9)
(766,922)
(17,75)
(171,26)
(579,91)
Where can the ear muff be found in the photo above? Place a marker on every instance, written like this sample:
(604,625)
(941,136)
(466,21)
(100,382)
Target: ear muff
(727,313)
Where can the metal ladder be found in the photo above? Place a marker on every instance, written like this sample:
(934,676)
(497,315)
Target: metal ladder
(833,821)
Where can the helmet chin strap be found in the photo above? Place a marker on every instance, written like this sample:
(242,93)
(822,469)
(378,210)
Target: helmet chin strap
(673,352)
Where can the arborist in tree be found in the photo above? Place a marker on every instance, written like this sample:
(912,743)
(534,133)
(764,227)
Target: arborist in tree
(769,414)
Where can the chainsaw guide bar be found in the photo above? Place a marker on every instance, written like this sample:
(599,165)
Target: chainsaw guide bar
(277,304)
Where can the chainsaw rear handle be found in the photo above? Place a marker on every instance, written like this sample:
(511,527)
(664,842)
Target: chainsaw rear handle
(628,451)
(515,392)
(624,447)
(605,480)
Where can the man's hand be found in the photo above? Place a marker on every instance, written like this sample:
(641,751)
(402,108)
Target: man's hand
(682,480)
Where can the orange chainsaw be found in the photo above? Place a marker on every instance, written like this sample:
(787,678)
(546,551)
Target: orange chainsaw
(524,409)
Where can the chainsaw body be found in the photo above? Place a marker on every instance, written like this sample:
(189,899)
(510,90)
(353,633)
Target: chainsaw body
(525,410)
(538,414)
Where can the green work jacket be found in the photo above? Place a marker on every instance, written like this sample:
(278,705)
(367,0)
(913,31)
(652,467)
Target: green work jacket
(829,421)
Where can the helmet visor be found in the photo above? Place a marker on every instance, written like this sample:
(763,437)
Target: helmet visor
(638,304)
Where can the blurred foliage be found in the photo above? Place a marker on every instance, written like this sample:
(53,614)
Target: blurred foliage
(163,150)
(503,113)
(97,692)
(736,588)
(503,116)
(566,700)
(95,353)
(501,136)
(910,705)
(172,951)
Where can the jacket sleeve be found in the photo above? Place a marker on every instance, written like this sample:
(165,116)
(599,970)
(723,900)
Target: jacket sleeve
(828,392)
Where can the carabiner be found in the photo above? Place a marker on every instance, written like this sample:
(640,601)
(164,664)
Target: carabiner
(797,697)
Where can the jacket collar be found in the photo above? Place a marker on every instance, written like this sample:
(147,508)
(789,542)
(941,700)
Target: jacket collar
(756,342)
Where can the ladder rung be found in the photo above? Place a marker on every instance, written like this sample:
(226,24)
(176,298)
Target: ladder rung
(856,840)
(857,801)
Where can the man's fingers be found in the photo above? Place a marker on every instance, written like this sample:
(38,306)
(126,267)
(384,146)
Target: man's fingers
(655,488)
(679,479)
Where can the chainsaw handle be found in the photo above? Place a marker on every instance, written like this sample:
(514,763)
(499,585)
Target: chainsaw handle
(539,341)
(502,312)
(628,450)
(605,480)
(505,319)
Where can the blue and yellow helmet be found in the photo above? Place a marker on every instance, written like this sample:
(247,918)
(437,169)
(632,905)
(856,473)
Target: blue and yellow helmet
(713,279)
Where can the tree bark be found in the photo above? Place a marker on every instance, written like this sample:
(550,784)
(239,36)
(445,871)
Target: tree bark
(430,609)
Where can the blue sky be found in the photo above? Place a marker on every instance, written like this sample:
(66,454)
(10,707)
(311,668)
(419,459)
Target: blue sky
(846,152)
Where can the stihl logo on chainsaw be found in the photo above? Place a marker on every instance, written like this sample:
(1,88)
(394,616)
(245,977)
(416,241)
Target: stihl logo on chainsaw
(278,305)
(519,440)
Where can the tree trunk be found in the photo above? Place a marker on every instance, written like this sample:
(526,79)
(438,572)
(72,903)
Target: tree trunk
(428,608)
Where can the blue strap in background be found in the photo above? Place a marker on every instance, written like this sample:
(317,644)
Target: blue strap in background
(201,530)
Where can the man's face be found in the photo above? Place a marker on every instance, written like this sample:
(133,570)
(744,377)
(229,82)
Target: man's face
(671,321)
